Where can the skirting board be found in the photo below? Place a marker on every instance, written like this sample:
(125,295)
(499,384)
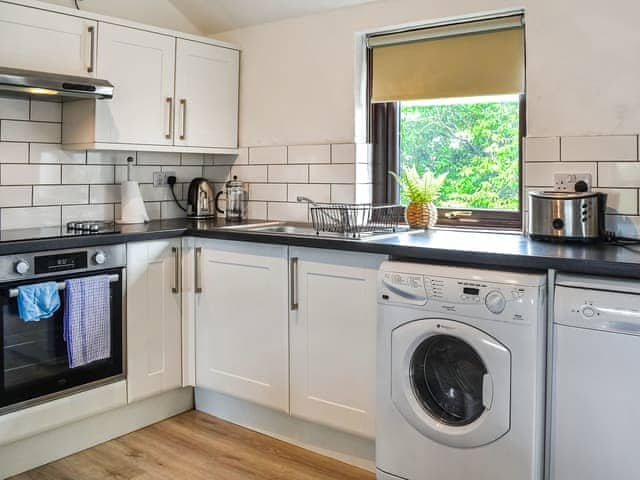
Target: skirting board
(49,446)
(326,441)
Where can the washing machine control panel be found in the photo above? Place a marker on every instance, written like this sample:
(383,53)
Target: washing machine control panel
(463,296)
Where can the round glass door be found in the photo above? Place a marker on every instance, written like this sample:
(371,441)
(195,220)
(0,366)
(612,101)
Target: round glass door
(447,376)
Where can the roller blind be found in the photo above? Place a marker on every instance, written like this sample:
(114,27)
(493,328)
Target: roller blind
(463,60)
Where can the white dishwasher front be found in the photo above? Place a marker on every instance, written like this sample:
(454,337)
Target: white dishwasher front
(595,406)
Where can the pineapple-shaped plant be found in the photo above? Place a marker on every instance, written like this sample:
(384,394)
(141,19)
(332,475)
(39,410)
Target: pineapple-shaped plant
(421,191)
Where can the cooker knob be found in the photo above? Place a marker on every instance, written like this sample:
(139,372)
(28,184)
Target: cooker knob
(22,267)
(100,257)
(495,302)
(558,224)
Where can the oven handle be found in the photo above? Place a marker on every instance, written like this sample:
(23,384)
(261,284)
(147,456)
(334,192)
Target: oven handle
(13,292)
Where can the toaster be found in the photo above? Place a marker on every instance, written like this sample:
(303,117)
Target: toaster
(577,216)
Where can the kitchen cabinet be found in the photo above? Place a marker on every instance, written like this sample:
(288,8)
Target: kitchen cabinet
(241,320)
(333,323)
(206,112)
(49,42)
(154,344)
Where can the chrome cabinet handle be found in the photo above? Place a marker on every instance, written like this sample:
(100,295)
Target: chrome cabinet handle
(170,123)
(92,37)
(175,288)
(293,274)
(198,279)
(183,104)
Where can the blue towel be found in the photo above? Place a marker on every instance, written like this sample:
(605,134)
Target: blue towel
(87,320)
(38,301)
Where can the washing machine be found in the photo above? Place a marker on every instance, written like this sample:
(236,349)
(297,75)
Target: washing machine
(461,359)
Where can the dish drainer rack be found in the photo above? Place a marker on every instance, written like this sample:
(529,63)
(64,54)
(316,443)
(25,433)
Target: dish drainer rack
(355,219)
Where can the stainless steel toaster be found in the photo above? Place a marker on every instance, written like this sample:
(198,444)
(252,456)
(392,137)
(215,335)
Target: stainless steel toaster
(567,215)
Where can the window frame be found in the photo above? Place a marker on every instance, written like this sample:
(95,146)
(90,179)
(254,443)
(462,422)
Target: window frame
(459,218)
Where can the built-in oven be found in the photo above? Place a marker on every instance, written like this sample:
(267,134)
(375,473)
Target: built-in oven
(34,365)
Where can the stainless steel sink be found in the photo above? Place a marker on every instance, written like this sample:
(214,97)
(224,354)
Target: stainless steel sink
(286,229)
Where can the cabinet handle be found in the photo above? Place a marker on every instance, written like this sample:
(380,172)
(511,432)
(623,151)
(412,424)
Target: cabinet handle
(183,104)
(92,39)
(176,274)
(293,274)
(198,258)
(170,123)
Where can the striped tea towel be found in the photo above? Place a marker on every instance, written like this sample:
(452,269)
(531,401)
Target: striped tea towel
(87,320)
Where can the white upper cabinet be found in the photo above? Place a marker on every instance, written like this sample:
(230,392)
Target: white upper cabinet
(241,321)
(141,67)
(206,95)
(33,39)
(333,323)
(154,343)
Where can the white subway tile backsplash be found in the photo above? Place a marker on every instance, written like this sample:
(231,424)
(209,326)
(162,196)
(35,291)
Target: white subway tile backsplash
(363,173)
(257,210)
(619,174)
(104,193)
(29,174)
(192,159)
(288,173)
(109,158)
(138,174)
(15,196)
(171,210)
(14,109)
(344,173)
(41,132)
(218,174)
(103,213)
(60,194)
(250,173)
(289,212)
(309,154)
(542,149)
(157,194)
(53,153)
(268,192)
(319,193)
(29,217)
(184,174)
(267,155)
(242,158)
(343,153)
(621,201)
(158,158)
(541,174)
(14,152)
(624,225)
(46,111)
(608,148)
(343,193)
(83,174)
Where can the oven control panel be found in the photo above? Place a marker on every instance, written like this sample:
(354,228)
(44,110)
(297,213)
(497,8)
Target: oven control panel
(51,263)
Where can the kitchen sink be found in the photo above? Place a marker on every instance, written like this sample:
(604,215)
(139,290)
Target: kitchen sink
(286,229)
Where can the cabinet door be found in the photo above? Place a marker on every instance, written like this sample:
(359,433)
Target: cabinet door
(141,67)
(34,39)
(333,338)
(206,95)
(241,321)
(154,355)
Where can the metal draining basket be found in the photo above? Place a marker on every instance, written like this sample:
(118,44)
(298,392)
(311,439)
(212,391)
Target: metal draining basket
(355,219)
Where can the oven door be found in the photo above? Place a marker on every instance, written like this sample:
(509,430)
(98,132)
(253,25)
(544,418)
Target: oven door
(34,363)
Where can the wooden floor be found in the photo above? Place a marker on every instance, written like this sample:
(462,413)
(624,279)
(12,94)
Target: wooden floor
(196,446)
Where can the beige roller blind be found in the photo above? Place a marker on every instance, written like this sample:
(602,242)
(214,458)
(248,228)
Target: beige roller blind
(449,62)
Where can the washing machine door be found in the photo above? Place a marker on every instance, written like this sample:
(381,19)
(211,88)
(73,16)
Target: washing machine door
(451,382)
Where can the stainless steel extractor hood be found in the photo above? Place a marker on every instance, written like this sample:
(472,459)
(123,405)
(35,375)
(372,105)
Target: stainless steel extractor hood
(15,82)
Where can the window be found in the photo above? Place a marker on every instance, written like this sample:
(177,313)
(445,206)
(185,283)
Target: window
(451,100)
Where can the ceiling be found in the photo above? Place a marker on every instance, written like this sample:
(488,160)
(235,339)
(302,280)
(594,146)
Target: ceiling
(212,16)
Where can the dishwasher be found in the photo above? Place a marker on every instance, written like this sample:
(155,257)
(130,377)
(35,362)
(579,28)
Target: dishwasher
(595,385)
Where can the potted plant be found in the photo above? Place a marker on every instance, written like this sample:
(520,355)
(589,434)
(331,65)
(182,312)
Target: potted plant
(421,191)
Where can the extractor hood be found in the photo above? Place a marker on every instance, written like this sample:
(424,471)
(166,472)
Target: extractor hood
(15,82)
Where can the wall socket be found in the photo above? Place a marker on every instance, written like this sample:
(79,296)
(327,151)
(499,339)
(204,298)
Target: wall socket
(566,182)
(160,178)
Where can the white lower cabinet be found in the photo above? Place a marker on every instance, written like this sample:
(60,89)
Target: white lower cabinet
(333,338)
(154,344)
(241,321)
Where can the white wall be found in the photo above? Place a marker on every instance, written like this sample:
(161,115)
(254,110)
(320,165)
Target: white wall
(161,13)
(583,67)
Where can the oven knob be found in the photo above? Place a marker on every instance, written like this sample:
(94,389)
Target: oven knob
(100,257)
(495,302)
(558,224)
(22,267)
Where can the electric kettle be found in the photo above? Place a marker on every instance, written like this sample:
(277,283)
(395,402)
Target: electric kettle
(236,209)
(200,199)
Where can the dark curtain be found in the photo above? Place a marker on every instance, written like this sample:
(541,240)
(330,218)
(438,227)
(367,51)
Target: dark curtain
(385,130)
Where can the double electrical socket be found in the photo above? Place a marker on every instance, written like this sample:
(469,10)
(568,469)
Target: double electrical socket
(160,179)
(566,182)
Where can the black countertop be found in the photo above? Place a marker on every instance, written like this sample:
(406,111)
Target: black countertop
(495,250)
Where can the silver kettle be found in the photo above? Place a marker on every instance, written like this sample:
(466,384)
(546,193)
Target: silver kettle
(200,199)
(236,209)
